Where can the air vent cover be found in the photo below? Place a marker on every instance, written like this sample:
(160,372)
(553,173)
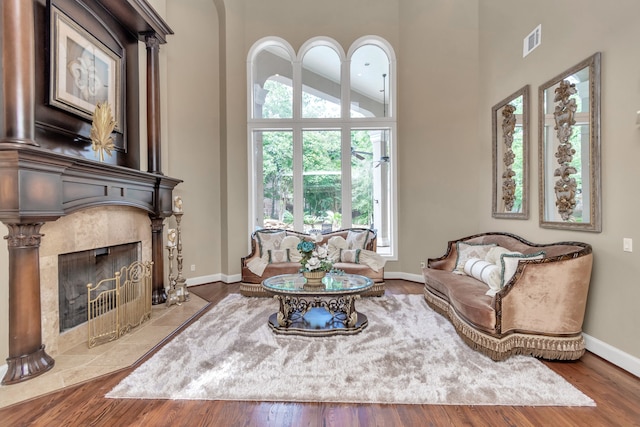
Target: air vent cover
(532,41)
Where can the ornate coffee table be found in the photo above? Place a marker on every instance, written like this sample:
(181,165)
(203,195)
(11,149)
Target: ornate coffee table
(317,311)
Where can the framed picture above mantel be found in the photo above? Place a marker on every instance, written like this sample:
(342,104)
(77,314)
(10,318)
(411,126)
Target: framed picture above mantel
(83,70)
(85,56)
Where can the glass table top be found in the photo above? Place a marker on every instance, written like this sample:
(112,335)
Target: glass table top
(333,284)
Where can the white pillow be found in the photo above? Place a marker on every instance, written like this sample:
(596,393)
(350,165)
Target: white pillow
(469,250)
(290,243)
(268,239)
(509,264)
(493,256)
(278,255)
(357,239)
(350,255)
(484,271)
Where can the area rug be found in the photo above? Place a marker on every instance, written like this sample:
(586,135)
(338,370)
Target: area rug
(408,354)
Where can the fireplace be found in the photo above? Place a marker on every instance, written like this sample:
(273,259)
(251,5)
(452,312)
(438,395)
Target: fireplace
(77,269)
(49,177)
(88,234)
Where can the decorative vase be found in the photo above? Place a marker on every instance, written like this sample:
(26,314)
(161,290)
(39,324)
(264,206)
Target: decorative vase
(314,279)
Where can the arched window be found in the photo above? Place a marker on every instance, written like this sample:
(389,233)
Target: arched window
(322,129)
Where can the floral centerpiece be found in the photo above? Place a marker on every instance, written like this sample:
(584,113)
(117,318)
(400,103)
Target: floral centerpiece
(315,260)
(314,256)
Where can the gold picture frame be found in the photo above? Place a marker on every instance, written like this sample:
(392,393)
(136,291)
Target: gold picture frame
(83,70)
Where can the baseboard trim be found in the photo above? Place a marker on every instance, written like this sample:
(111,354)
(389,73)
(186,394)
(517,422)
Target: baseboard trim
(201,280)
(613,355)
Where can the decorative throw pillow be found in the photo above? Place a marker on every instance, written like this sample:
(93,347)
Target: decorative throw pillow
(269,239)
(469,250)
(493,256)
(350,255)
(484,271)
(509,264)
(357,239)
(278,255)
(290,243)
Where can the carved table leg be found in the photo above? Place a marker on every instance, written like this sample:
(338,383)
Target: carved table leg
(352,314)
(27,357)
(284,311)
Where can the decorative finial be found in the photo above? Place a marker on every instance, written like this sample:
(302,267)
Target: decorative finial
(101,129)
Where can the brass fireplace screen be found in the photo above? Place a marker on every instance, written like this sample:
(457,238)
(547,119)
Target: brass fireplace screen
(115,307)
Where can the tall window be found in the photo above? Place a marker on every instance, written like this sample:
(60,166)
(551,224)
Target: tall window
(322,131)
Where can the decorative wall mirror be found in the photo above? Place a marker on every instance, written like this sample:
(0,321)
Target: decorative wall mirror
(569,130)
(510,129)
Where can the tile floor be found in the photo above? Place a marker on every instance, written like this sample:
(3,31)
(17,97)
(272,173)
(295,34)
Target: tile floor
(81,363)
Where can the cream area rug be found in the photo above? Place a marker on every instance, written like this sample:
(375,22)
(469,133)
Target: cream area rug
(408,354)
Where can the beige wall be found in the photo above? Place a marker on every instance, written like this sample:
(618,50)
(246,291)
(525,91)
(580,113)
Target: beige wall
(437,125)
(191,143)
(437,50)
(572,31)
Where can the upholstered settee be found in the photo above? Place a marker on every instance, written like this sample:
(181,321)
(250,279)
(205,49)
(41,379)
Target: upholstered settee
(273,252)
(506,296)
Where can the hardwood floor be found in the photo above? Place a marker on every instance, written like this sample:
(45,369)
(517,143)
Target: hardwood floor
(616,392)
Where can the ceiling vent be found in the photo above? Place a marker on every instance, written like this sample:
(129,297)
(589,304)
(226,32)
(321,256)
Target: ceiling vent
(532,41)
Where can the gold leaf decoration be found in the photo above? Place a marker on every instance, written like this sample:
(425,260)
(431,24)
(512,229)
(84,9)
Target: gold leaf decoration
(101,130)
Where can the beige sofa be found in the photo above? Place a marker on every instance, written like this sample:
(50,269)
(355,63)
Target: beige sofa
(251,282)
(538,311)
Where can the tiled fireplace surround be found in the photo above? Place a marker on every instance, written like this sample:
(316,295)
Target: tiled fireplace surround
(86,229)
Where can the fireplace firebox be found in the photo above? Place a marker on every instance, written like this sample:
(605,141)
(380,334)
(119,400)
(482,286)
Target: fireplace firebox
(77,269)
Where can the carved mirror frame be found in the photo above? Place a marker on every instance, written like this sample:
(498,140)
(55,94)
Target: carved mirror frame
(569,151)
(510,137)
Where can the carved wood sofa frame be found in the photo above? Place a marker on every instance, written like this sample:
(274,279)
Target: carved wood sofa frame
(251,284)
(539,312)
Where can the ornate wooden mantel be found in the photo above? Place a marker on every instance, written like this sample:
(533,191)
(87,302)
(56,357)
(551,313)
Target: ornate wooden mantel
(38,184)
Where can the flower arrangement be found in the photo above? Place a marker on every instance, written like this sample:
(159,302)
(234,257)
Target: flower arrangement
(315,257)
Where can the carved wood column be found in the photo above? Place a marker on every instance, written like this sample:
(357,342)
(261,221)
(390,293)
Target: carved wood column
(154,160)
(153,105)
(154,164)
(27,357)
(18,74)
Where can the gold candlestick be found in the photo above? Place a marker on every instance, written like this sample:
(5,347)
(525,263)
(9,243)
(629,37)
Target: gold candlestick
(183,293)
(172,297)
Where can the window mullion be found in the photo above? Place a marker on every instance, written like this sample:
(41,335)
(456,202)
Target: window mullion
(298,195)
(345,93)
(346,176)
(345,90)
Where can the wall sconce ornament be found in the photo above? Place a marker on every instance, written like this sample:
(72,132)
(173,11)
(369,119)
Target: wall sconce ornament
(102,127)
(510,156)
(569,154)
(508,183)
(565,187)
